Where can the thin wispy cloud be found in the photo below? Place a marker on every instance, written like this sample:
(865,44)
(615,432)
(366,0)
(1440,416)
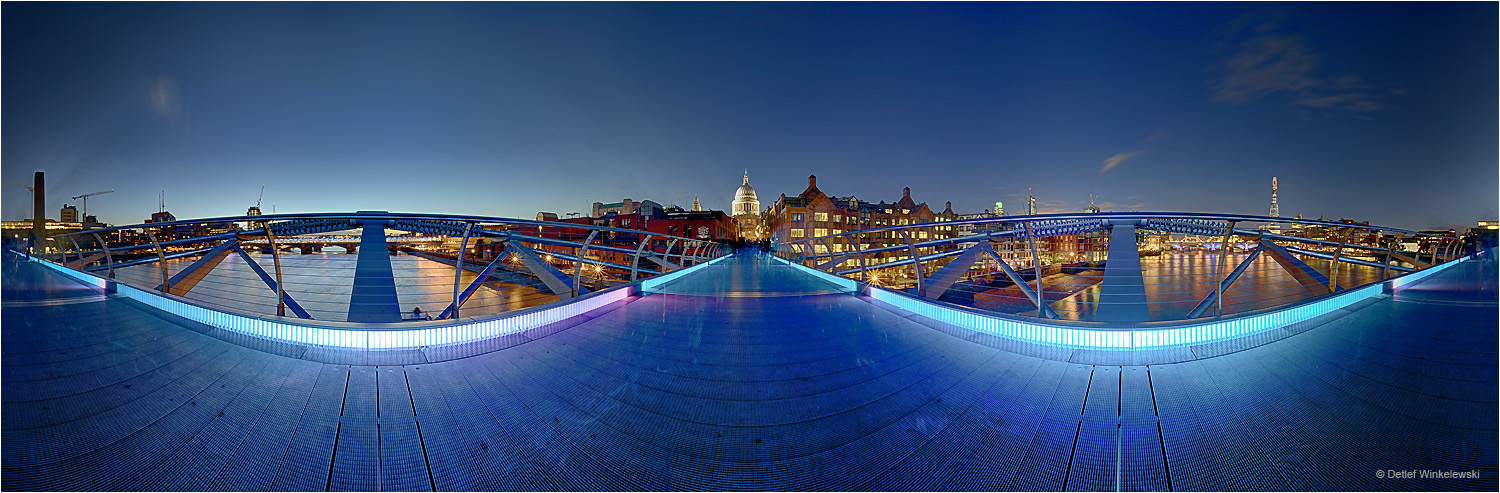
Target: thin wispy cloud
(1113,207)
(165,101)
(1270,63)
(1116,159)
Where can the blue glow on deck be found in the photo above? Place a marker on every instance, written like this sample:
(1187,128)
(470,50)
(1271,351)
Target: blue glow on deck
(654,284)
(844,283)
(1419,275)
(1125,337)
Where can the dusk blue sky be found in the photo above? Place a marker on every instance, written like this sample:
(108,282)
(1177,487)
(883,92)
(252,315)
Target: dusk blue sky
(1383,112)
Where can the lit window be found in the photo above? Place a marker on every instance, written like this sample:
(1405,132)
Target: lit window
(795,216)
(820,232)
(837,218)
(796,232)
(820,216)
(906,211)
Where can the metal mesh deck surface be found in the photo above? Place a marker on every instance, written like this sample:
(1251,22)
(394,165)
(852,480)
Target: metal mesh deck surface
(785,386)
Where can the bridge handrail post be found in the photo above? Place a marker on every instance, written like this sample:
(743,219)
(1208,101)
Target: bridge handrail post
(859,254)
(77,249)
(635,263)
(1219,270)
(1333,281)
(578,266)
(916,262)
(458,270)
(62,253)
(667,253)
(161,260)
(1385,272)
(276,261)
(109,259)
(831,257)
(1036,267)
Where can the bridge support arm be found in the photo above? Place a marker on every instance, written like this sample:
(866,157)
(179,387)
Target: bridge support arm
(185,280)
(556,280)
(1215,295)
(1015,277)
(1036,264)
(1418,264)
(484,275)
(944,278)
(833,264)
(81,263)
(1303,273)
(458,272)
(271,283)
(373,298)
(1122,291)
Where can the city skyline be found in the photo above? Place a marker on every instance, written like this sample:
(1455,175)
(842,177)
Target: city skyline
(1372,112)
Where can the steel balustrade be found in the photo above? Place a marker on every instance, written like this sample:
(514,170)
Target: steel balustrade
(1181,253)
(601,258)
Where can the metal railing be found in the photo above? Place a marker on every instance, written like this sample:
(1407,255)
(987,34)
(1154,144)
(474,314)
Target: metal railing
(374,266)
(1123,267)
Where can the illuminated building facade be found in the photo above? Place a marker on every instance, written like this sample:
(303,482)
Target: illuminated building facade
(746,212)
(625,206)
(813,214)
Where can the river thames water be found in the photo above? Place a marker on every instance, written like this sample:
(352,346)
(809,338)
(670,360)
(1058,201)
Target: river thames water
(322,283)
(1177,282)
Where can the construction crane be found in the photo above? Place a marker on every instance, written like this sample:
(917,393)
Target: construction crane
(32,191)
(85,198)
(255,211)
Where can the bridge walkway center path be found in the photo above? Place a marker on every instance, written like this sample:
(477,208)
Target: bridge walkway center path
(747,375)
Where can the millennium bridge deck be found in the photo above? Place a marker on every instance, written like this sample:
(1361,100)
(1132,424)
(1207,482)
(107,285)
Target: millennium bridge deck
(748,375)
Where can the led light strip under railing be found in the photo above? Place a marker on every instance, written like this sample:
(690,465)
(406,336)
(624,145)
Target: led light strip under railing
(1127,338)
(352,338)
